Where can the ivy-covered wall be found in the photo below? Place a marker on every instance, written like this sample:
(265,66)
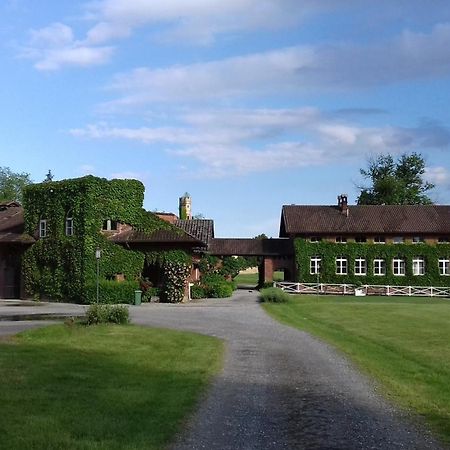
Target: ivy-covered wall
(329,251)
(64,267)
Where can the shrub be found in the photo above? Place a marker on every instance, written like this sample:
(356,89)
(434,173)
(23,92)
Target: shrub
(98,313)
(198,291)
(112,292)
(274,295)
(220,289)
(149,293)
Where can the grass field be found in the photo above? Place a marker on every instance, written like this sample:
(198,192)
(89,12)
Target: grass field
(252,278)
(101,387)
(404,343)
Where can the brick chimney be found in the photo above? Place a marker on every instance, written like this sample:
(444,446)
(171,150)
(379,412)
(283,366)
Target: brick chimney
(343,203)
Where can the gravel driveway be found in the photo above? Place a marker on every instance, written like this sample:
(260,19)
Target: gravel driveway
(280,388)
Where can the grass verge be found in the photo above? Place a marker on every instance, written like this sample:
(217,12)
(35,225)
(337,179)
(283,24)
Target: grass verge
(252,278)
(403,343)
(101,387)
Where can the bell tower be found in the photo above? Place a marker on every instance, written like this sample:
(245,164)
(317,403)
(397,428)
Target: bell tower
(185,207)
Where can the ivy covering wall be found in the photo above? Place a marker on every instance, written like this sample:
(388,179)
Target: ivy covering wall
(64,267)
(329,251)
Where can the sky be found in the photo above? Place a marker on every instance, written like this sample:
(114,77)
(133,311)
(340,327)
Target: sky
(247,105)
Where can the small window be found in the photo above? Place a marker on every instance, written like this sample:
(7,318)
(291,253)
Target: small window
(418,240)
(360,239)
(109,225)
(42,228)
(398,240)
(315,239)
(379,240)
(360,266)
(419,266)
(69,226)
(341,266)
(341,239)
(315,265)
(379,267)
(444,266)
(399,266)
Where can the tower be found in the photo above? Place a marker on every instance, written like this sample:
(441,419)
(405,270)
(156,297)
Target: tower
(185,205)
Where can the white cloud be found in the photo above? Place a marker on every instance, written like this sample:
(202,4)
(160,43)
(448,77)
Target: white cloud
(439,176)
(54,47)
(237,142)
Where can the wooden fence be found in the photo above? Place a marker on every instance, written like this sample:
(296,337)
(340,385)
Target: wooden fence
(366,289)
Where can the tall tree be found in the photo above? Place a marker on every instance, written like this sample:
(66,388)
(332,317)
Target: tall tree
(12,184)
(395,182)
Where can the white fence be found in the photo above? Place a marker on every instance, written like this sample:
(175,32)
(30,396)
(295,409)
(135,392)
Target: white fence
(366,289)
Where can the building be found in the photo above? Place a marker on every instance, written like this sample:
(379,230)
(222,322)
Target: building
(369,244)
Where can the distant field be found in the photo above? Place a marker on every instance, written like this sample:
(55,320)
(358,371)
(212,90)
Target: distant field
(404,343)
(252,278)
(101,387)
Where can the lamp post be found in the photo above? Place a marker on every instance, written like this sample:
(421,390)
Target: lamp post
(98,254)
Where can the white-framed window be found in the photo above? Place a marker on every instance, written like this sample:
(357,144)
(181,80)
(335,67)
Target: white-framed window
(109,225)
(360,239)
(379,240)
(379,267)
(315,239)
(399,266)
(418,240)
(315,265)
(398,240)
(42,228)
(444,266)
(341,239)
(418,265)
(69,226)
(341,266)
(360,266)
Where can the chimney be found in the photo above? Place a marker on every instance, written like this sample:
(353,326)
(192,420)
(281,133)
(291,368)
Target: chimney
(342,204)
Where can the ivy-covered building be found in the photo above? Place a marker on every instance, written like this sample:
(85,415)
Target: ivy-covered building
(49,247)
(370,244)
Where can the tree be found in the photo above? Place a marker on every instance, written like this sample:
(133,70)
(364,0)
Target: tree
(12,184)
(395,182)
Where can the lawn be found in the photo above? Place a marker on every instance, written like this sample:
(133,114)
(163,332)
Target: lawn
(252,278)
(101,387)
(404,343)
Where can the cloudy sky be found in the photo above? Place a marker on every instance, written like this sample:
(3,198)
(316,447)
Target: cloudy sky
(245,104)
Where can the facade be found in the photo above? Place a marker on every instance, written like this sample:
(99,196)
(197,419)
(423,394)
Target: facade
(370,244)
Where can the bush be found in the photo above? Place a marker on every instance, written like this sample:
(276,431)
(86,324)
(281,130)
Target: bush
(112,292)
(149,293)
(220,289)
(273,295)
(98,313)
(198,291)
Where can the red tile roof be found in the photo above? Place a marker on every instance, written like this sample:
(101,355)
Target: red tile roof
(158,236)
(12,224)
(250,247)
(367,219)
(201,229)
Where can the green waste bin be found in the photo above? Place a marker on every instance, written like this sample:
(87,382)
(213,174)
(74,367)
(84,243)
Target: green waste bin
(137,297)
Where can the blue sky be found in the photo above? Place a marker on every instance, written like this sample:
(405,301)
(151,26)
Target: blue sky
(245,104)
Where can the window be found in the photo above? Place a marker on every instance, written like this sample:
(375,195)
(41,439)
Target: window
(315,239)
(419,266)
(69,226)
(444,266)
(341,239)
(418,240)
(341,266)
(360,266)
(109,225)
(379,267)
(360,239)
(314,265)
(42,228)
(398,266)
(379,240)
(398,240)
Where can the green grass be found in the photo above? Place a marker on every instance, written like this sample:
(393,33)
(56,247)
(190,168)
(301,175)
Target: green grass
(252,278)
(404,343)
(101,387)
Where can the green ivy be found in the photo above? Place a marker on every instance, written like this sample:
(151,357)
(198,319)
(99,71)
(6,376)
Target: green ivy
(61,267)
(329,251)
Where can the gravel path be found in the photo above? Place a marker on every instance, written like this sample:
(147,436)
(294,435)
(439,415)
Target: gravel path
(280,388)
